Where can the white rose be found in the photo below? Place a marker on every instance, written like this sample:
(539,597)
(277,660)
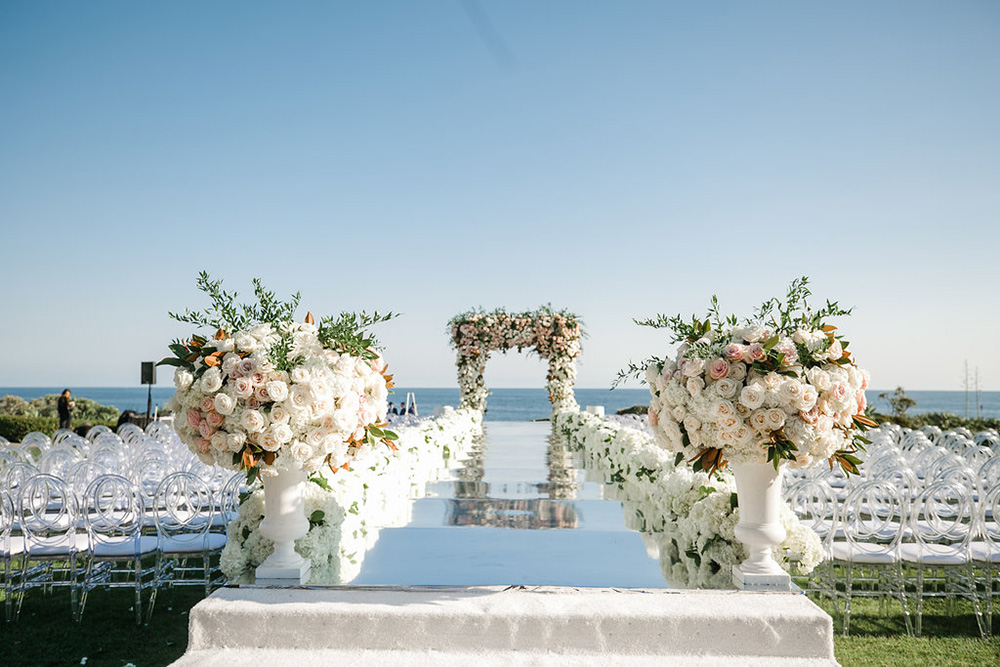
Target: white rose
(235,441)
(230,362)
(268,442)
(183,378)
(245,342)
(752,396)
(758,420)
(790,392)
(692,367)
(277,390)
(774,418)
(299,397)
(224,345)
(694,385)
(279,414)
(301,451)
(281,432)
(243,387)
(298,375)
(211,381)
(737,371)
(224,403)
(726,387)
(818,378)
(253,421)
(345,420)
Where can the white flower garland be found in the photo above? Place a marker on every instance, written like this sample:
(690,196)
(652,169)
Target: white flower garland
(372,494)
(688,515)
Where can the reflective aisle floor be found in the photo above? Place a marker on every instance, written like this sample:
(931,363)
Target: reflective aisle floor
(518,513)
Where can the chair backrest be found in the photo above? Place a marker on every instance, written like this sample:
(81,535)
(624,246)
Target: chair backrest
(872,517)
(36,444)
(82,474)
(16,474)
(97,431)
(129,432)
(113,511)
(942,518)
(59,460)
(815,503)
(184,505)
(147,473)
(6,519)
(48,512)
(229,500)
(109,456)
(989,516)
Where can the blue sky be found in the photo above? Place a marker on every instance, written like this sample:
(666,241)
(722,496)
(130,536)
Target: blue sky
(618,159)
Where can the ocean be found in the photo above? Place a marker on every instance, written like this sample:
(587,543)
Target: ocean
(524,404)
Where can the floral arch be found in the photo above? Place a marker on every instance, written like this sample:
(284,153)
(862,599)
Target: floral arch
(553,335)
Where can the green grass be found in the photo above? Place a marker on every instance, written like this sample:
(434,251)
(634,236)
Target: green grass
(107,635)
(46,634)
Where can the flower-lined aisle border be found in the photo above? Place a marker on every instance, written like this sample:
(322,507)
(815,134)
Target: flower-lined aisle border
(345,517)
(553,335)
(690,515)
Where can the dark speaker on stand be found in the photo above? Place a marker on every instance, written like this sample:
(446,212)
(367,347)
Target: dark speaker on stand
(149,378)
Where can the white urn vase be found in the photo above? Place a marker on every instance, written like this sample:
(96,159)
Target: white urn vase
(284,522)
(758,486)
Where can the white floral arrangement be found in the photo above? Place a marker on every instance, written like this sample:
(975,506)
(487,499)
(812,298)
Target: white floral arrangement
(345,518)
(779,387)
(553,335)
(689,516)
(268,393)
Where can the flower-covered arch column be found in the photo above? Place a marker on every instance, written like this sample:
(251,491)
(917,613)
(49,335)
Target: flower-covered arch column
(553,335)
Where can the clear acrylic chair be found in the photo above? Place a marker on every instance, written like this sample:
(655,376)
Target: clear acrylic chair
(872,521)
(985,552)
(11,547)
(939,561)
(815,504)
(113,515)
(48,514)
(59,460)
(185,505)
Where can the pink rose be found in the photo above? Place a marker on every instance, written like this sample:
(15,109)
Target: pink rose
(811,416)
(203,444)
(654,418)
(862,402)
(214,419)
(193,418)
(205,430)
(253,403)
(733,352)
(243,387)
(718,369)
(756,352)
(258,378)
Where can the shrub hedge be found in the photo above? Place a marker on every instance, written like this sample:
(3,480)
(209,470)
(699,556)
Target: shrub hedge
(15,427)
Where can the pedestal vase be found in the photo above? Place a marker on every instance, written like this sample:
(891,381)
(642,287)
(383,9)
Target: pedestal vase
(284,522)
(758,486)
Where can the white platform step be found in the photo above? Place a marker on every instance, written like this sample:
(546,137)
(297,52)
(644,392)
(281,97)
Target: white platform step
(506,626)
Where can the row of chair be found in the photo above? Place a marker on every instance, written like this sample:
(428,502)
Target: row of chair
(111,535)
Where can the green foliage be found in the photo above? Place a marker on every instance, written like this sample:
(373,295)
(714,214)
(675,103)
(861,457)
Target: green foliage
(225,316)
(943,420)
(899,401)
(15,405)
(705,337)
(15,427)
(85,410)
(634,410)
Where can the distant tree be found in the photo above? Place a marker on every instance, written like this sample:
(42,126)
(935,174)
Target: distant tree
(899,401)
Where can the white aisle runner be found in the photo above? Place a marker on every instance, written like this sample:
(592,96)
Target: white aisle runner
(518,513)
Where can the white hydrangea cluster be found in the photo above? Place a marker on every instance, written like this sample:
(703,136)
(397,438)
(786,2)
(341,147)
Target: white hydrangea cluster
(741,389)
(371,495)
(690,514)
(235,408)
